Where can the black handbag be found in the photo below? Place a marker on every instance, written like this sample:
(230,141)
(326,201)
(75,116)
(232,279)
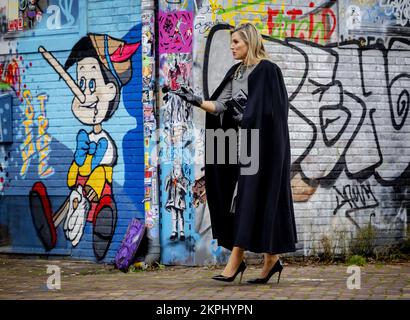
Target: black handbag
(237,105)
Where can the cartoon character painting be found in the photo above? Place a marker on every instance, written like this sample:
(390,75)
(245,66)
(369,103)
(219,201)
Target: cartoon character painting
(103,68)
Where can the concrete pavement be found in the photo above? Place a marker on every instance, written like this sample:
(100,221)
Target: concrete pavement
(24,278)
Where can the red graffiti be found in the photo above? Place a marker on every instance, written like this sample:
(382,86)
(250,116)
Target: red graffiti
(281,25)
(10,75)
(16,25)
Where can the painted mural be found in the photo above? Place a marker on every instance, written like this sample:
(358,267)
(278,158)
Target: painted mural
(10,76)
(36,142)
(339,185)
(175,30)
(75,109)
(317,21)
(98,141)
(6,137)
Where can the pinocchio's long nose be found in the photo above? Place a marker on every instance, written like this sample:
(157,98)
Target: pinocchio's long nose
(52,61)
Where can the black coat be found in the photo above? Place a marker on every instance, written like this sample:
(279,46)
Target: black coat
(264,220)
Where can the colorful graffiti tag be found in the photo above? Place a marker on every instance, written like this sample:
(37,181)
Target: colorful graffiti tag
(10,75)
(41,14)
(36,141)
(175,32)
(151,201)
(314,22)
(348,118)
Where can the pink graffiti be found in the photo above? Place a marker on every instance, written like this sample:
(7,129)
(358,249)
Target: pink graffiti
(175,32)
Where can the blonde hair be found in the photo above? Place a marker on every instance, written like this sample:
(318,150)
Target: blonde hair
(251,36)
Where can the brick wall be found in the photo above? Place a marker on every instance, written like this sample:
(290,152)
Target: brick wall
(45,127)
(347,82)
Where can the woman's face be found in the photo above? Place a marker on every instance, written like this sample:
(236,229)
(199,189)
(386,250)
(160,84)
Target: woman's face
(239,47)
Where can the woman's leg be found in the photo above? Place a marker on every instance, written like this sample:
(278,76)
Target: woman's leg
(269,261)
(234,261)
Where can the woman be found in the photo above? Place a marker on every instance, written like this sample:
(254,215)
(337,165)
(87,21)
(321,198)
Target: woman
(251,212)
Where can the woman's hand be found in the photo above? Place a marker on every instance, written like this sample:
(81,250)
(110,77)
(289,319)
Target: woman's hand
(187,94)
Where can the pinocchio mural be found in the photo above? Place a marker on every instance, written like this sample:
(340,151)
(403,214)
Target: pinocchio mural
(103,67)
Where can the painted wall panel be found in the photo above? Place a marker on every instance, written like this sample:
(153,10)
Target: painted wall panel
(348,113)
(349,103)
(75,172)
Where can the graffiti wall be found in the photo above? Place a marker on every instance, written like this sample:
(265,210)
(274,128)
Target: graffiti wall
(374,21)
(97,140)
(72,178)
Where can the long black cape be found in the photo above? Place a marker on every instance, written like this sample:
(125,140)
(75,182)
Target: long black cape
(264,220)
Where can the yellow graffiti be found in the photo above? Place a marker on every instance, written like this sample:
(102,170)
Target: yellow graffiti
(42,100)
(43,140)
(147,206)
(237,12)
(96,178)
(29,111)
(316,27)
(43,143)
(27,147)
(146,158)
(27,150)
(215,6)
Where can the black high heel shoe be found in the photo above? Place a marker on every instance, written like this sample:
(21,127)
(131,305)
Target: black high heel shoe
(277,267)
(241,269)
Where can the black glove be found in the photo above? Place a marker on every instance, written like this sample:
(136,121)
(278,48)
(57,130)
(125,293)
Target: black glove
(187,94)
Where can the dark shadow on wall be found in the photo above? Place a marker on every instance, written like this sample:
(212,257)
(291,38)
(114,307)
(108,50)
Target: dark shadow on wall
(133,142)
(15,215)
(17,231)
